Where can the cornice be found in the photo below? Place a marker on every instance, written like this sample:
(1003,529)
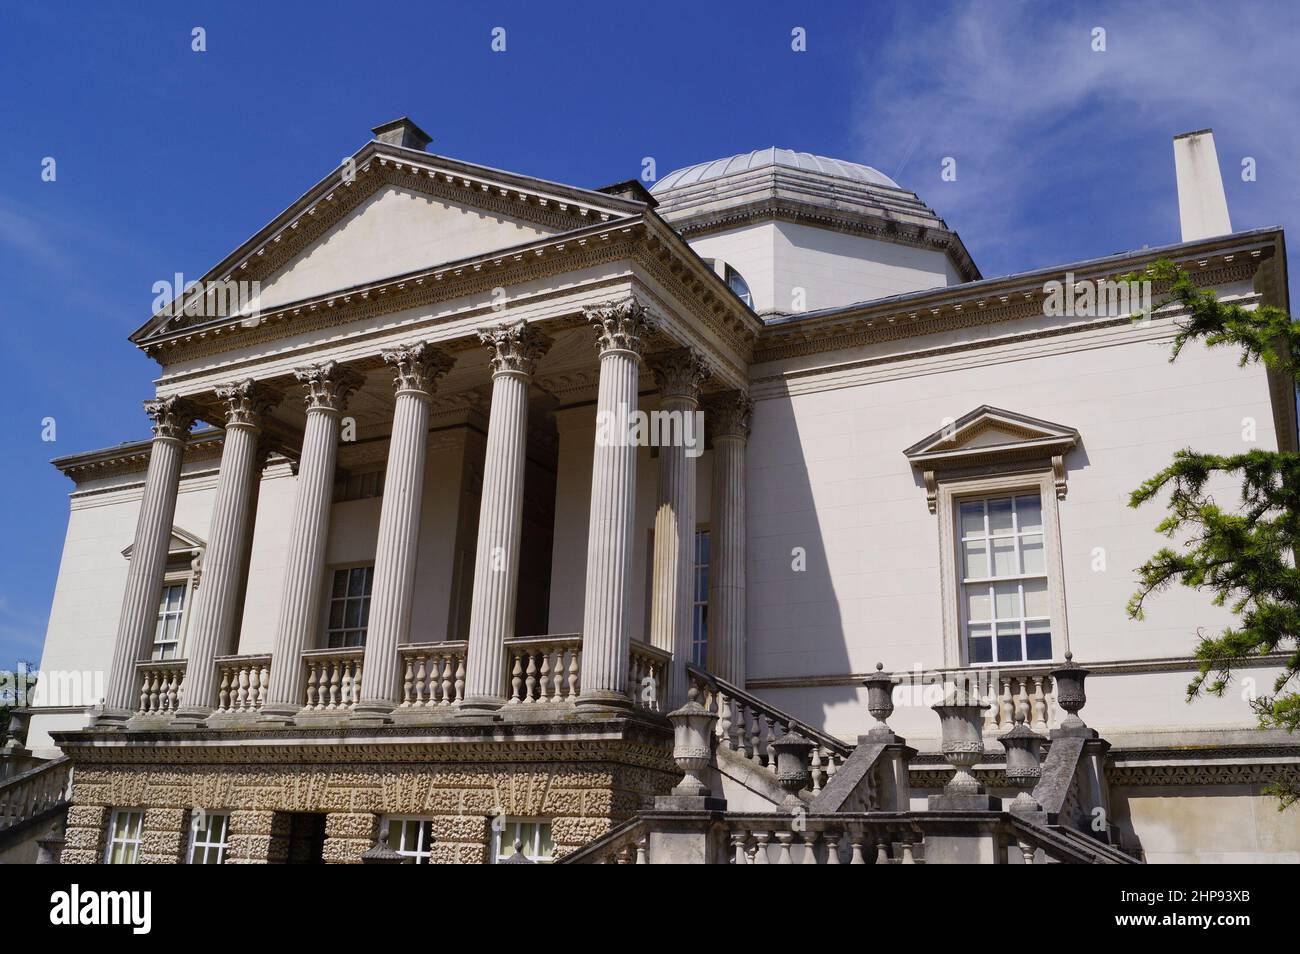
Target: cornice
(948,309)
(566,252)
(133,456)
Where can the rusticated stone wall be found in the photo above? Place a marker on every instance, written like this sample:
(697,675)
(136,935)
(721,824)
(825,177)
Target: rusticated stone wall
(582,800)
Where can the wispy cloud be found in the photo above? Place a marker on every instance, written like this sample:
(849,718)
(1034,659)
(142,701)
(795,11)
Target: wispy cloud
(1018,96)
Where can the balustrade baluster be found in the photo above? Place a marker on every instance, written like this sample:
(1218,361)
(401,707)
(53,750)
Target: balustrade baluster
(530,683)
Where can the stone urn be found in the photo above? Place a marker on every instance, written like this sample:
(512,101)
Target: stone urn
(961,720)
(692,743)
(381,852)
(1070,695)
(1024,764)
(792,754)
(880,703)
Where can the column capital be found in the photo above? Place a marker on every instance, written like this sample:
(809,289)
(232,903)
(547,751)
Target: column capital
(328,385)
(417,366)
(516,347)
(620,326)
(729,414)
(172,417)
(246,402)
(680,372)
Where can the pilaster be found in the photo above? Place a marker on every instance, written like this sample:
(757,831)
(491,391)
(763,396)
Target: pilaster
(727,417)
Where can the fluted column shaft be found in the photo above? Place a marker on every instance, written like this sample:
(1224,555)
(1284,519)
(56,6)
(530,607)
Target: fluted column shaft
(515,350)
(606,636)
(679,375)
(729,422)
(417,368)
(328,387)
(138,619)
(212,627)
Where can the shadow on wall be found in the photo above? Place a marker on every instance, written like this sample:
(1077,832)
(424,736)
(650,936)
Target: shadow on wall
(795,624)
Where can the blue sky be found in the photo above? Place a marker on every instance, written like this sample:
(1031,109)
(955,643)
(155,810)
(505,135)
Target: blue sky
(167,158)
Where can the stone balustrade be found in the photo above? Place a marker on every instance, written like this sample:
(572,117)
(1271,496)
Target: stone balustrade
(646,672)
(544,670)
(242,682)
(333,678)
(848,838)
(747,726)
(433,674)
(1029,691)
(161,683)
(34,791)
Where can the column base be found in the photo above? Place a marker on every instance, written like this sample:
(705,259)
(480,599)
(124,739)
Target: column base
(113,719)
(372,712)
(472,706)
(603,699)
(280,714)
(191,717)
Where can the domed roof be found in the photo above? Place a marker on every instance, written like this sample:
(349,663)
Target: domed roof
(772,156)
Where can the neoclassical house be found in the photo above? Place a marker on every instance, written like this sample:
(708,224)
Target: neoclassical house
(487,486)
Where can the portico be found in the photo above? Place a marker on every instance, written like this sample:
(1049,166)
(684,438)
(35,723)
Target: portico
(439,385)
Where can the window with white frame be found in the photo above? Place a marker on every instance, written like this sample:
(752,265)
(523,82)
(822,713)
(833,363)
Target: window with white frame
(209,834)
(349,606)
(122,839)
(1005,602)
(533,836)
(171,615)
(700,603)
(411,837)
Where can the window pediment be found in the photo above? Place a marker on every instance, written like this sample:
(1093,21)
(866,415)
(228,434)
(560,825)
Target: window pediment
(990,438)
(182,543)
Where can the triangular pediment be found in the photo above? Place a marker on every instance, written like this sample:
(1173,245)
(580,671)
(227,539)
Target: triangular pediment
(182,543)
(395,230)
(388,211)
(987,433)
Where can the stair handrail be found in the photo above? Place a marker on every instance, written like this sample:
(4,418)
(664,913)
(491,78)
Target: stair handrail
(755,704)
(18,805)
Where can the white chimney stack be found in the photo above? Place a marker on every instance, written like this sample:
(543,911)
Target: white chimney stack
(1202,206)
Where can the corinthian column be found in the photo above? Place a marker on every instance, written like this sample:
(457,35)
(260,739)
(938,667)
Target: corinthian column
(621,330)
(328,386)
(728,421)
(172,418)
(225,562)
(679,375)
(515,350)
(416,369)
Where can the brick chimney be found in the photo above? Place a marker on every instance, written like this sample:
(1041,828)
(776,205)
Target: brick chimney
(402,132)
(1202,206)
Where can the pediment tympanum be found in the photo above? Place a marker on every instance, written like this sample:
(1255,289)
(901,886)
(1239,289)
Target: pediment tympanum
(989,437)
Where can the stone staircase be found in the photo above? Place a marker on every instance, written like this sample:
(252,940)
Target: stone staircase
(762,787)
(33,805)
